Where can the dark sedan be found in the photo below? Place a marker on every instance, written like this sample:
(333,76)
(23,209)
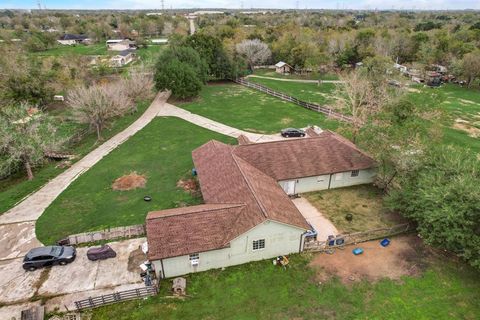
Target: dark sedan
(292,132)
(48,256)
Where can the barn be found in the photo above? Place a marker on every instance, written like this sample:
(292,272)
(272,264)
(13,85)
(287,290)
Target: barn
(283,67)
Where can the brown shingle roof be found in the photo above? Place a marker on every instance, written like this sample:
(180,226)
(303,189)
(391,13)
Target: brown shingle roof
(290,159)
(181,231)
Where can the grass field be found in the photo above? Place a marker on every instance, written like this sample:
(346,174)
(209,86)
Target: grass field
(259,290)
(85,50)
(161,151)
(311,92)
(310,76)
(364,202)
(16,187)
(251,110)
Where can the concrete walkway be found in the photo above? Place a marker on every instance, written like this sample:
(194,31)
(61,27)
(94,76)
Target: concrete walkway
(294,80)
(17,224)
(169,110)
(322,225)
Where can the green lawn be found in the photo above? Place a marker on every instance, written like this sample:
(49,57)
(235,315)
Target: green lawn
(161,152)
(456,103)
(85,50)
(250,110)
(259,290)
(16,187)
(310,76)
(322,94)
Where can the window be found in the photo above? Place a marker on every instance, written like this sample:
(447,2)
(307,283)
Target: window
(355,173)
(258,244)
(194,256)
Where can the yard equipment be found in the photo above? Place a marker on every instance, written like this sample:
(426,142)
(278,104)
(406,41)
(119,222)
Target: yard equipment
(357,251)
(385,242)
(101,253)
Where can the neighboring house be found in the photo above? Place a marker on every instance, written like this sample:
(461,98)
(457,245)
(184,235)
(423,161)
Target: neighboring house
(120,44)
(73,39)
(283,67)
(247,214)
(123,58)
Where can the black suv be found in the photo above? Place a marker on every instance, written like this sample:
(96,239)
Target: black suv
(48,256)
(292,132)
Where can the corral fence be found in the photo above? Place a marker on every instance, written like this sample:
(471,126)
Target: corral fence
(308,105)
(95,302)
(358,237)
(107,234)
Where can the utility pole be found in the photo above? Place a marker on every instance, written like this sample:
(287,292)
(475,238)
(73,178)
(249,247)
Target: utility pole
(39,5)
(163,5)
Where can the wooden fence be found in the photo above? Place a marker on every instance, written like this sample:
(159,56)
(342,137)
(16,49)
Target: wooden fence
(116,297)
(308,105)
(107,234)
(358,237)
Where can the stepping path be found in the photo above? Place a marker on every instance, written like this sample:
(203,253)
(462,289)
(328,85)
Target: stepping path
(295,80)
(17,225)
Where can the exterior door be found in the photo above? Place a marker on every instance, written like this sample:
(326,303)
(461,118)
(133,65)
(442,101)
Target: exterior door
(289,187)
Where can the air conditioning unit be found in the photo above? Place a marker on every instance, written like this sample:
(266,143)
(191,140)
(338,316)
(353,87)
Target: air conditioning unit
(194,262)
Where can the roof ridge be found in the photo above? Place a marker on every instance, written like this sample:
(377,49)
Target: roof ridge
(349,143)
(221,206)
(262,208)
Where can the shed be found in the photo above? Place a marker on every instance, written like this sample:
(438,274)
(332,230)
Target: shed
(283,67)
(179,285)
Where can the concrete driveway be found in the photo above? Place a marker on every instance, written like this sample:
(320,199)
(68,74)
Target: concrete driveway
(322,225)
(71,282)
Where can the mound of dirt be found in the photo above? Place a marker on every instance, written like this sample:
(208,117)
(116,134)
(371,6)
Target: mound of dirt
(189,185)
(135,259)
(405,256)
(129,182)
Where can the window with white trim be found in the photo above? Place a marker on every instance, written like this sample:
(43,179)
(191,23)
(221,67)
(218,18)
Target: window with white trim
(194,256)
(355,173)
(258,244)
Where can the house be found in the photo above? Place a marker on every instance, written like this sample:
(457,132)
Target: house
(72,39)
(283,67)
(248,214)
(120,45)
(122,58)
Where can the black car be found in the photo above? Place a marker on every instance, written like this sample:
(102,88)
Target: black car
(292,132)
(48,256)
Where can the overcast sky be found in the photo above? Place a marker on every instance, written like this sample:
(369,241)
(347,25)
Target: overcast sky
(247,4)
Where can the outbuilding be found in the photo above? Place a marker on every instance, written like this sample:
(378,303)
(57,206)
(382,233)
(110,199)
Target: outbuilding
(283,67)
(73,39)
(122,59)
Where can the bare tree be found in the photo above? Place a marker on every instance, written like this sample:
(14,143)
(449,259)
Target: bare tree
(255,51)
(359,97)
(25,135)
(139,85)
(98,104)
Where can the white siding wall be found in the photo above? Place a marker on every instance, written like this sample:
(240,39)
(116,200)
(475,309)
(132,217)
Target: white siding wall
(343,179)
(280,239)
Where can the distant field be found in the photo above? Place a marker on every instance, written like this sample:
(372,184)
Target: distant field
(86,50)
(253,111)
(161,152)
(461,112)
(308,76)
(311,92)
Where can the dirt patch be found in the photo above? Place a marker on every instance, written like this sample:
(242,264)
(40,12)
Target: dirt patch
(189,185)
(135,259)
(286,120)
(405,256)
(464,125)
(129,182)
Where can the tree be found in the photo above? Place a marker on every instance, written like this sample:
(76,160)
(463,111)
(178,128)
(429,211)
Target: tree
(179,77)
(25,135)
(254,51)
(181,70)
(443,197)
(98,104)
(470,66)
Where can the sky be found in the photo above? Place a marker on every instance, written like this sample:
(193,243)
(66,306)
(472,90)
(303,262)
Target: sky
(247,4)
